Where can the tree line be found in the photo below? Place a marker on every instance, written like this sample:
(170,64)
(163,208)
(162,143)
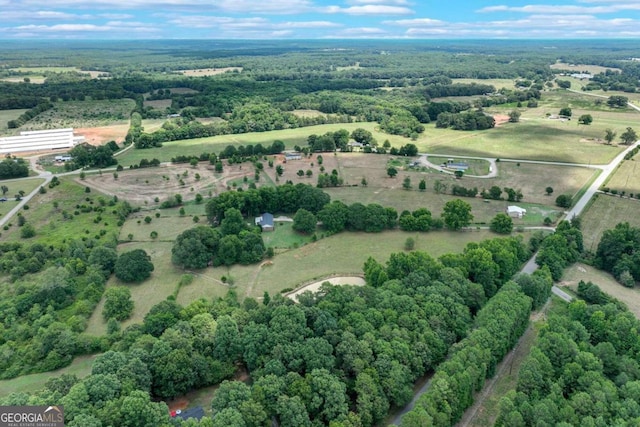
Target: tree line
(343,356)
(583,369)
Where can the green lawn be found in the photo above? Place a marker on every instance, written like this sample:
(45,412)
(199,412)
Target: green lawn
(476,166)
(284,237)
(81,367)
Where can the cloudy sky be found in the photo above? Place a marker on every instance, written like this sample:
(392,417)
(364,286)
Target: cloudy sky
(318,19)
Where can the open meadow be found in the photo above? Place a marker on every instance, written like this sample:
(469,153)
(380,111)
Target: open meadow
(81,367)
(290,137)
(609,285)
(582,68)
(343,253)
(603,213)
(8,115)
(16,186)
(626,178)
(66,212)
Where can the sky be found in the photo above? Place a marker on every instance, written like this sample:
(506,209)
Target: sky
(318,19)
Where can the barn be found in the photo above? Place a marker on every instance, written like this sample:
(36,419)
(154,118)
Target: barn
(37,140)
(516,211)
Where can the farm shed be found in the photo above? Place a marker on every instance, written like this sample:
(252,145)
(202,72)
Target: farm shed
(516,211)
(292,156)
(265,221)
(37,140)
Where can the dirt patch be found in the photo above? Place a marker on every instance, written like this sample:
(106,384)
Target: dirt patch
(143,186)
(203,72)
(315,286)
(103,134)
(500,119)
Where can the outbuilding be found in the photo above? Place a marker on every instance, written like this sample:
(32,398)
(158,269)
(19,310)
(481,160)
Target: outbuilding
(516,211)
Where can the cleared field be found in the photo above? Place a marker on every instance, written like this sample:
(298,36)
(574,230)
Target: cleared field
(158,104)
(497,83)
(476,166)
(7,115)
(102,134)
(15,186)
(81,367)
(66,220)
(202,72)
(531,179)
(579,68)
(308,113)
(82,114)
(152,125)
(577,272)
(604,213)
(626,178)
(168,226)
(143,186)
(216,144)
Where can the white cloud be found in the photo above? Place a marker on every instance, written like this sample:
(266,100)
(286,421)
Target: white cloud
(418,22)
(369,9)
(388,2)
(561,9)
(224,6)
(86,28)
(39,15)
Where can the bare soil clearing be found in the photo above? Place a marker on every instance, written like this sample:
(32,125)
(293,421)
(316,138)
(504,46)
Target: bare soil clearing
(103,134)
(315,286)
(142,186)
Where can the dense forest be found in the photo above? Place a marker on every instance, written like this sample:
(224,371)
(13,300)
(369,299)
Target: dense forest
(583,369)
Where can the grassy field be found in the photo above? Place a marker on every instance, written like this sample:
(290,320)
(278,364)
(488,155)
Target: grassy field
(579,68)
(577,272)
(15,186)
(6,116)
(536,136)
(604,213)
(81,367)
(290,137)
(78,114)
(476,166)
(626,178)
(342,253)
(50,222)
(497,83)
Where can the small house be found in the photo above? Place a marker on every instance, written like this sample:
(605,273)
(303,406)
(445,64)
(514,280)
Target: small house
(516,211)
(197,413)
(265,221)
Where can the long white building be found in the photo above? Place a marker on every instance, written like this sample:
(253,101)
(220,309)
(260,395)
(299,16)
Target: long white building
(38,140)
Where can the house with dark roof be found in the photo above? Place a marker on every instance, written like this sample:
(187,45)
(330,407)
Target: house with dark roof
(196,412)
(265,221)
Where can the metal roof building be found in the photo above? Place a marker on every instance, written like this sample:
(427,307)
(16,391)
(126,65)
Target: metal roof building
(37,140)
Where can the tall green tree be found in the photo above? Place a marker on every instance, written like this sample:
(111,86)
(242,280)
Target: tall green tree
(133,266)
(457,214)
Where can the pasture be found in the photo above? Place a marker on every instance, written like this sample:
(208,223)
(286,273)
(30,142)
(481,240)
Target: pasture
(81,367)
(581,68)
(577,272)
(82,114)
(8,115)
(15,186)
(497,83)
(603,213)
(626,178)
(143,186)
(66,212)
(290,137)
